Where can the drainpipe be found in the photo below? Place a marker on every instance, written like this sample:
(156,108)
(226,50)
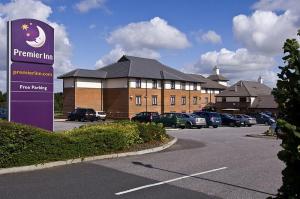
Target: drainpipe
(146,96)
(101,90)
(189,97)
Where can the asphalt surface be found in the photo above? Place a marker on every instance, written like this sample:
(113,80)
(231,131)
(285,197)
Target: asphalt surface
(222,163)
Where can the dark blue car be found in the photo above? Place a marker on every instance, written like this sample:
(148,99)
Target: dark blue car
(3,113)
(212,118)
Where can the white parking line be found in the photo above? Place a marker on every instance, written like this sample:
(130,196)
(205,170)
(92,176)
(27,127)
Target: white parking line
(168,181)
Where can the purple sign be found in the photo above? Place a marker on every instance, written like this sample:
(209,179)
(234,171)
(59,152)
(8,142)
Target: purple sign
(31,97)
(30,73)
(32,41)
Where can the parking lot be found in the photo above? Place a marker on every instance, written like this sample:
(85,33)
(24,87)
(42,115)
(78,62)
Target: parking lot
(204,163)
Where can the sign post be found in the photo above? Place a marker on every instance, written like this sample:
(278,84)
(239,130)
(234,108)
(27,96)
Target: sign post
(30,73)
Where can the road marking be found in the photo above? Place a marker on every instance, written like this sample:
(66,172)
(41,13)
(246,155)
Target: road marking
(168,181)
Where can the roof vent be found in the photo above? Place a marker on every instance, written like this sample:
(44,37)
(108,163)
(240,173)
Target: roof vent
(260,80)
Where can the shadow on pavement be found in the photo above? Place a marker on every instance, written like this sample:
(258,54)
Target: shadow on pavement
(201,178)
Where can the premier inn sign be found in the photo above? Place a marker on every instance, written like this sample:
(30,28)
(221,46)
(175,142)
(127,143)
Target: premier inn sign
(30,73)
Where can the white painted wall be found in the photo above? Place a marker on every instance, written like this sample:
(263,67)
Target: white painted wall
(232,99)
(252,100)
(198,87)
(167,84)
(88,83)
(224,83)
(177,85)
(115,83)
(69,83)
(217,91)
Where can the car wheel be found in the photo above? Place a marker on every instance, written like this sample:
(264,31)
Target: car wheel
(173,126)
(215,126)
(188,125)
(199,127)
(103,120)
(249,125)
(231,124)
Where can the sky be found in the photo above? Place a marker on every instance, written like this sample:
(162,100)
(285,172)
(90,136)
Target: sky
(244,38)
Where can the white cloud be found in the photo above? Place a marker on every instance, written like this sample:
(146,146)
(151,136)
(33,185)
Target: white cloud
(236,65)
(211,37)
(62,8)
(144,39)
(86,5)
(37,10)
(278,5)
(265,31)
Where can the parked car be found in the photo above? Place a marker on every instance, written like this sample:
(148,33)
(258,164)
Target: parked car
(193,120)
(246,120)
(83,114)
(174,120)
(101,115)
(145,116)
(230,120)
(262,118)
(212,118)
(3,113)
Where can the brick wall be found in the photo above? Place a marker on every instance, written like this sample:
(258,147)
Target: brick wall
(146,99)
(68,100)
(88,98)
(115,101)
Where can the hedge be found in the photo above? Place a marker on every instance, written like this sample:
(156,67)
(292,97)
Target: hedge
(25,145)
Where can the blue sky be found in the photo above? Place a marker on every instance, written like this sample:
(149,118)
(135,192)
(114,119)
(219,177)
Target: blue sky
(243,37)
(189,18)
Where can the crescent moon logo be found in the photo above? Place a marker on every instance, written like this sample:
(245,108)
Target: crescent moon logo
(40,40)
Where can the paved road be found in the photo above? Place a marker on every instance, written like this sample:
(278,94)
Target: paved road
(222,163)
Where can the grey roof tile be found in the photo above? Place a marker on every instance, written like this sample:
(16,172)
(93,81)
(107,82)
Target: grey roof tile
(84,73)
(246,88)
(264,102)
(207,83)
(217,78)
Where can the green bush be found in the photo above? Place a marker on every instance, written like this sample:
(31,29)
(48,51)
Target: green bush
(25,145)
(152,132)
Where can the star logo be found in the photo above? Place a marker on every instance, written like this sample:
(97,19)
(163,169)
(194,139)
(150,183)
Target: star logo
(24,27)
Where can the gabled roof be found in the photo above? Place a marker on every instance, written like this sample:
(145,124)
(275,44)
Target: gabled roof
(264,102)
(129,66)
(246,89)
(84,73)
(207,83)
(218,78)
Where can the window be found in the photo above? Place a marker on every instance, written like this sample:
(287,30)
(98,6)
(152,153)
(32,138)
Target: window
(172,84)
(154,99)
(206,100)
(154,83)
(195,86)
(195,100)
(182,85)
(138,83)
(242,99)
(183,100)
(138,100)
(172,100)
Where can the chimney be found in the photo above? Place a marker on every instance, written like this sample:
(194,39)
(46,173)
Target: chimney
(260,80)
(216,70)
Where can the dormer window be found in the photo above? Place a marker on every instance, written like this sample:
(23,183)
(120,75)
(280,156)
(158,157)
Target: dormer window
(195,86)
(182,85)
(172,84)
(138,83)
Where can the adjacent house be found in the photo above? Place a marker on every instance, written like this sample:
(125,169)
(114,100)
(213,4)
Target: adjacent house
(217,77)
(135,84)
(245,97)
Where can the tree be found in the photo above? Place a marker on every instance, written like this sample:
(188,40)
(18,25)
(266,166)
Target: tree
(58,102)
(287,95)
